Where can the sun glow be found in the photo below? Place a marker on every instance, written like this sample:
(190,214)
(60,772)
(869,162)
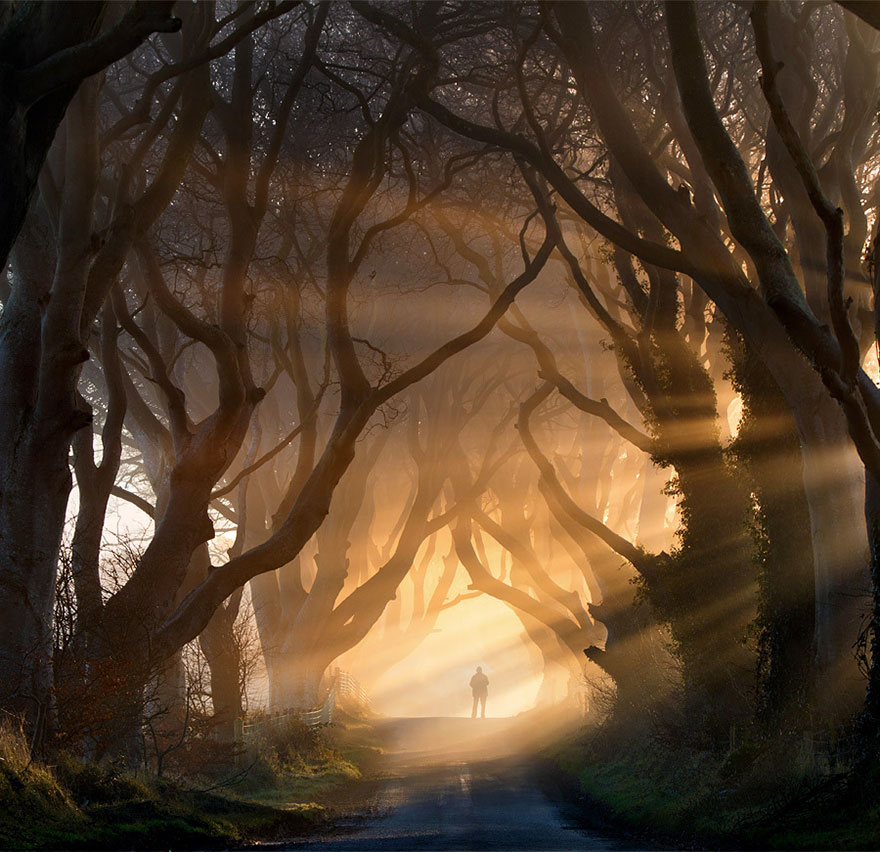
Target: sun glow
(433,681)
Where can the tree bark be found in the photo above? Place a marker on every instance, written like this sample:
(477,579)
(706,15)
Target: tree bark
(48,49)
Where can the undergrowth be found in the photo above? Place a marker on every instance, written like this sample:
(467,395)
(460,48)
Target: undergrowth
(760,795)
(281,787)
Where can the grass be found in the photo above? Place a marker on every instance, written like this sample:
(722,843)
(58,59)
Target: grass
(319,766)
(689,798)
(294,785)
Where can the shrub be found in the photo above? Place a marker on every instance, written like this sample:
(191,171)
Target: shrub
(97,783)
(296,745)
(23,781)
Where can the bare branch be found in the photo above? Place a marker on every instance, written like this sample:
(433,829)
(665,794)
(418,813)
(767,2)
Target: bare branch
(70,66)
(831,216)
(134,499)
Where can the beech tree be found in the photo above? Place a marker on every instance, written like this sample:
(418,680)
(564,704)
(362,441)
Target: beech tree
(194,448)
(778,328)
(50,50)
(230,271)
(43,350)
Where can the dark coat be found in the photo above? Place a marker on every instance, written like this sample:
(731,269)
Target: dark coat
(480,684)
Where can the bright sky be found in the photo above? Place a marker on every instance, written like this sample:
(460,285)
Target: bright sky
(433,681)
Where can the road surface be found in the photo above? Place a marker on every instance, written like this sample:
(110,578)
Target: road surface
(461,784)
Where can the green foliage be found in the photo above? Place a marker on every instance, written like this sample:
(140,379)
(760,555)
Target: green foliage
(98,783)
(297,745)
(293,760)
(77,805)
(758,795)
(29,792)
(766,454)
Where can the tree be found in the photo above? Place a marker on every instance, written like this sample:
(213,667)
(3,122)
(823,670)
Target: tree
(50,50)
(193,443)
(44,331)
(765,325)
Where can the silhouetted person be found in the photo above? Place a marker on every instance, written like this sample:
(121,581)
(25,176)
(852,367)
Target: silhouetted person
(480,688)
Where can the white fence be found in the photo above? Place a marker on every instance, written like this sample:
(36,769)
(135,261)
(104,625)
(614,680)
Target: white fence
(348,686)
(343,685)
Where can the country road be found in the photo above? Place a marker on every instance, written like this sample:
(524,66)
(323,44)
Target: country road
(453,783)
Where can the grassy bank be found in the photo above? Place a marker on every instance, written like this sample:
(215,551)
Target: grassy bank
(293,784)
(679,797)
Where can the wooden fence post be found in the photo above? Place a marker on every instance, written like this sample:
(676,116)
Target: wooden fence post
(238,739)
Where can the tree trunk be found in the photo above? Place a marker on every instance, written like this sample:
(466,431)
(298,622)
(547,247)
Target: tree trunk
(35,483)
(266,598)
(834,486)
(34,486)
(768,450)
(870,727)
(34,33)
(223,655)
(300,682)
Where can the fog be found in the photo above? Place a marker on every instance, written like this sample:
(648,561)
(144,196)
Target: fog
(382,341)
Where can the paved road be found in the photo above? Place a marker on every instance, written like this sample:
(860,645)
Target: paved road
(461,784)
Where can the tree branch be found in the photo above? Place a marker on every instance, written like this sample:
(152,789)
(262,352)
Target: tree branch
(830,215)
(70,66)
(134,499)
(641,561)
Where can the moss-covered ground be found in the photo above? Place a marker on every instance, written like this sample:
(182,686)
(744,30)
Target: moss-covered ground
(665,796)
(296,784)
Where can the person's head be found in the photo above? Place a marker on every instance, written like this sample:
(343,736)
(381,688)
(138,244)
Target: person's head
(479,669)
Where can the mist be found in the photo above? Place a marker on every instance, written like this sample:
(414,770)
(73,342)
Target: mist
(346,348)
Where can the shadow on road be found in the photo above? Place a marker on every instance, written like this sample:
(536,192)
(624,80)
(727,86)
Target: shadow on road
(444,739)
(453,783)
